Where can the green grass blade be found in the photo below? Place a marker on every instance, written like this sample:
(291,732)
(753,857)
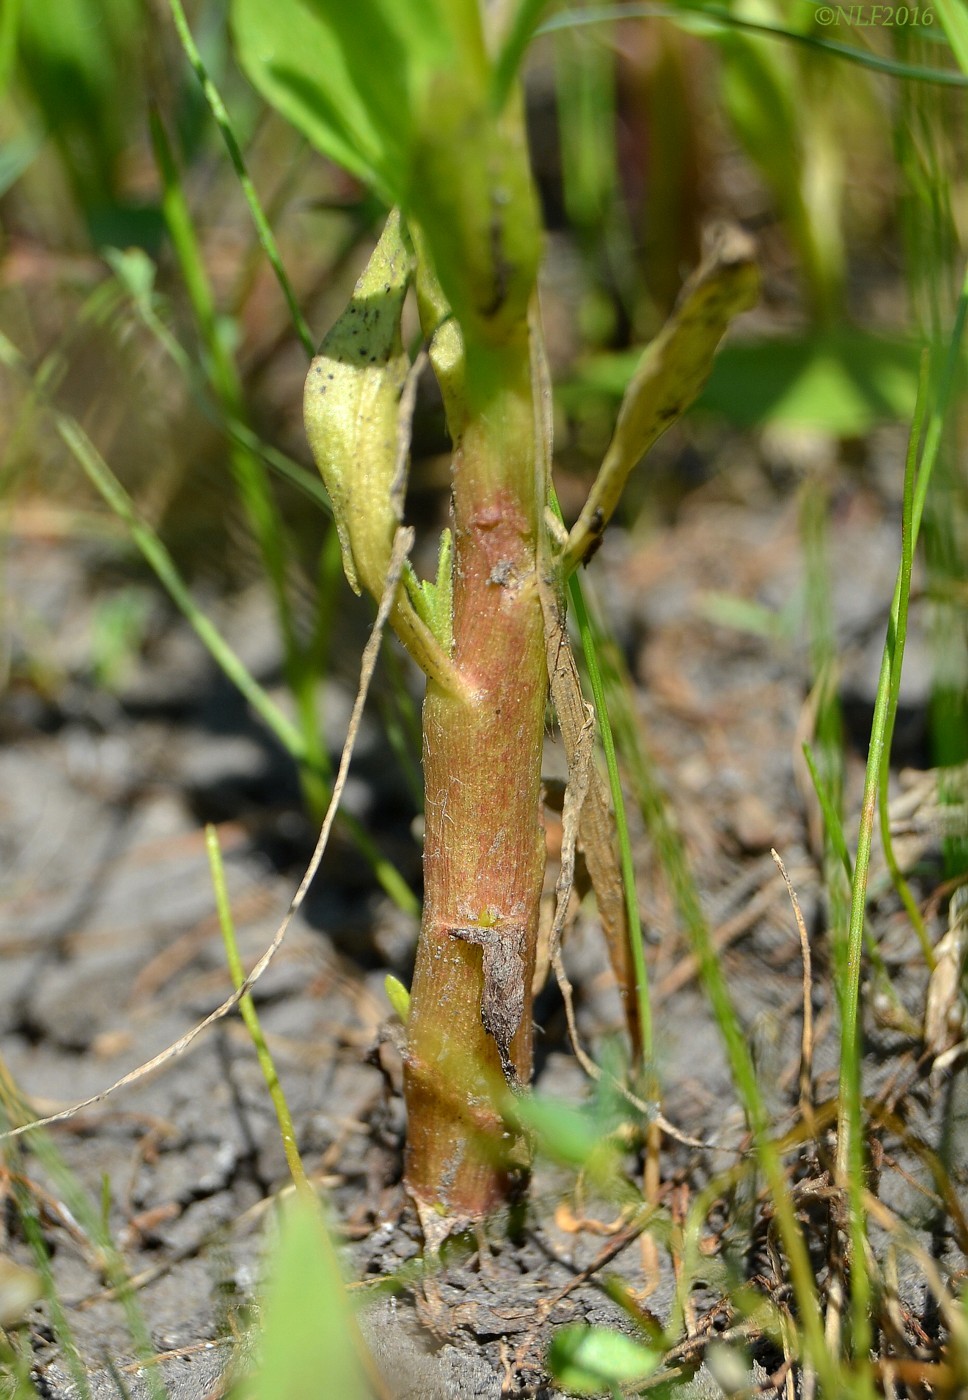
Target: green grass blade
(154,551)
(223,374)
(702,18)
(92,1219)
(830,811)
(849,1146)
(251,481)
(526,19)
(828,721)
(224,124)
(954,19)
(850,1165)
(60,1325)
(309,1343)
(897,634)
(164,568)
(249,1014)
(136,272)
(672,858)
(591,640)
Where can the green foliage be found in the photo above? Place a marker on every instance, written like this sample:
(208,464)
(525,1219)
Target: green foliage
(118,629)
(408,99)
(398,997)
(358,429)
(351,404)
(567,1134)
(401,98)
(765,90)
(307,1341)
(842,381)
(79,73)
(587,1360)
(433,599)
(669,375)
(358,80)
(954,19)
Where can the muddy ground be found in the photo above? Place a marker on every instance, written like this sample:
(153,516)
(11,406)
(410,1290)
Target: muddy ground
(110,948)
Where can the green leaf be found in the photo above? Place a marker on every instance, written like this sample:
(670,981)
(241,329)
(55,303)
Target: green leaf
(285,50)
(359,432)
(566,1133)
(307,1344)
(399,96)
(351,408)
(525,21)
(954,20)
(671,373)
(398,997)
(354,78)
(841,381)
(587,1360)
(745,615)
(434,601)
(135,271)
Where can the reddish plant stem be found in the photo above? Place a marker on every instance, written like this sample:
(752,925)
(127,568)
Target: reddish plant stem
(484,847)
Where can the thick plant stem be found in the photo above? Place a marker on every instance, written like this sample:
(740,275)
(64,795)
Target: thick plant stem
(470,1024)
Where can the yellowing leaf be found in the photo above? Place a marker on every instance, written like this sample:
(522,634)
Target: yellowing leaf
(671,373)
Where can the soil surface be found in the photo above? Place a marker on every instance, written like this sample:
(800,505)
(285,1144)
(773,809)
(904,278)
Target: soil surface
(110,950)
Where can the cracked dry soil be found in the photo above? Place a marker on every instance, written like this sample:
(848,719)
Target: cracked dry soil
(110,950)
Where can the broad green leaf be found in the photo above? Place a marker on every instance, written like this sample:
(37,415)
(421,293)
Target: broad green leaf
(842,381)
(354,78)
(672,371)
(292,56)
(309,1339)
(954,19)
(587,1360)
(399,95)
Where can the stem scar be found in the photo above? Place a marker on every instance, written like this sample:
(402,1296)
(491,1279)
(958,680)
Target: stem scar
(502,1000)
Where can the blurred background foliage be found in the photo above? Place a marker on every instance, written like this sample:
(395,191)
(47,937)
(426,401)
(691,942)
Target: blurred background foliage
(151,361)
(133,285)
